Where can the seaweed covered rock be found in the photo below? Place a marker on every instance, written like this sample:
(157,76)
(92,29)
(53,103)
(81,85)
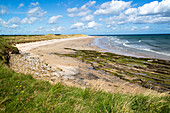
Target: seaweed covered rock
(149,73)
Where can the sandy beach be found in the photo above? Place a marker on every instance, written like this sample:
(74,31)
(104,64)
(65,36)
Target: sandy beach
(77,73)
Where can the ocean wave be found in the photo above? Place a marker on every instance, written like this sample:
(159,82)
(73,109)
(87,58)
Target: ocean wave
(163,53)
(121,41)
(145,49)
(153,45)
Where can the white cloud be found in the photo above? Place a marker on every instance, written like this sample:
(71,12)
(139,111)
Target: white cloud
(53,19)
(152,8)
(34,4)
(82,11)
(40,29)
(100,19)
(155,7)
(21,5)
(112,7)
(36,12)
(114,28)
(87,5)
(87,18)
(91,3)
(134,28)
(51,29)
(136,19)
(90,25)
(3,23)
(14,20)
(149,20)
(131,11)
(93,24)
(56,29)
(6,24)
(24,21)
(3,10)
(108,26)
(120,19)
(60,28)
(32,20)
(17,20)
(71,15)
(79,14)
(13,26)
(72,10)
(151,13)
(146,27)
(84,7)
(78,25)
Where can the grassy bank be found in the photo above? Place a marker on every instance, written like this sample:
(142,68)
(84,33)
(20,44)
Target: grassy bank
(5,50)
(23,93)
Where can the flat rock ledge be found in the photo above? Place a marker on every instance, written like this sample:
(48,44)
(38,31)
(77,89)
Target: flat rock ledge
(29,64)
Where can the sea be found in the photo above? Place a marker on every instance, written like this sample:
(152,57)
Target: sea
(145,45)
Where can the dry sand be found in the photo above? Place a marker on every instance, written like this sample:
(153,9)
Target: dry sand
(82,75)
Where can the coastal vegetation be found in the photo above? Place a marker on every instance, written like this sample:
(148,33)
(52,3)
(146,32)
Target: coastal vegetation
(22,93)
(149,73)
(12,39)
(5,50)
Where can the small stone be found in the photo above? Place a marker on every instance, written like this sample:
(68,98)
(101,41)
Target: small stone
(149,60)
(67,77)
(53,79)
(36,74)
(56,74)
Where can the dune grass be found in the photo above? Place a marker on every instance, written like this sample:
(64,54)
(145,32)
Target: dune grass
(12,39)
(22,93)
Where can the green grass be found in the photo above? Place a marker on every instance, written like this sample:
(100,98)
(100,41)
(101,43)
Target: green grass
(5,49)
(23,93)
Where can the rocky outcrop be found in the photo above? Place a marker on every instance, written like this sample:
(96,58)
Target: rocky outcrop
(28,64)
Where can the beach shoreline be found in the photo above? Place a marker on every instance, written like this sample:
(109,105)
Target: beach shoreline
(75,72)
(131,52)
(28,46)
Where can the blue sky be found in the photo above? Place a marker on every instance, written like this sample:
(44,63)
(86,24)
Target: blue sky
(84,16)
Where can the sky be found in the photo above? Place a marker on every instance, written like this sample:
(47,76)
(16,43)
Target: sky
(84,16)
